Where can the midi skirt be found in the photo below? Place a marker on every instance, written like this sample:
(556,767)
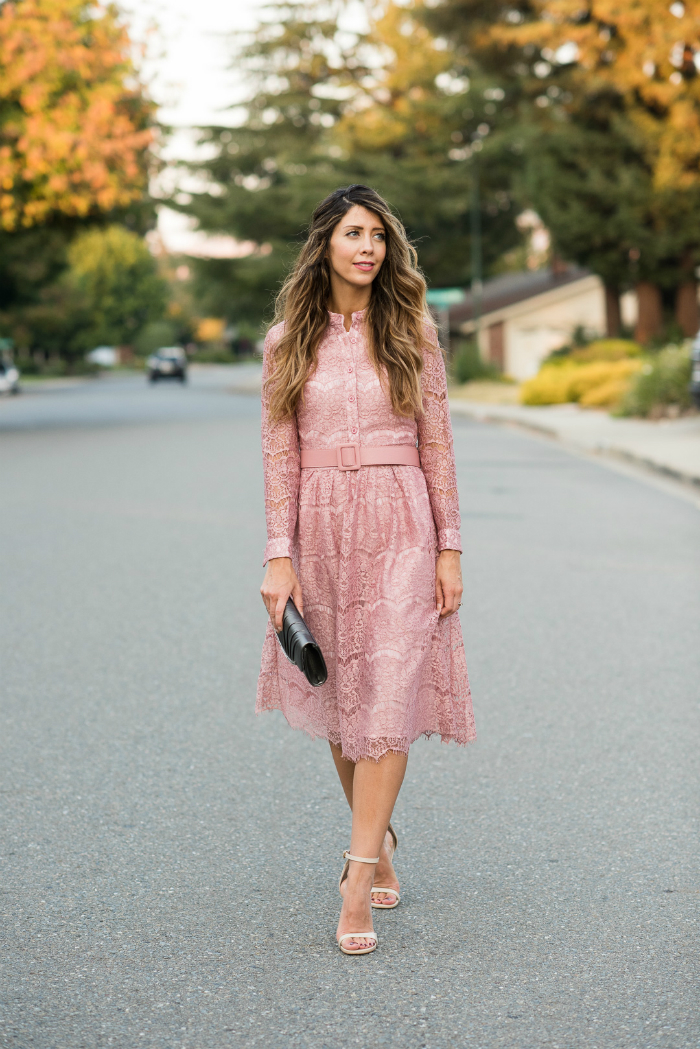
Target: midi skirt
(364,551)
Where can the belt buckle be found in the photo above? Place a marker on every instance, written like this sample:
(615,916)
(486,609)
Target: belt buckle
(342,463)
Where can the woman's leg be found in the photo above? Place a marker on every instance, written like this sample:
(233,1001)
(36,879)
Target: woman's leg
(384,873)
(345,770)
(373,792)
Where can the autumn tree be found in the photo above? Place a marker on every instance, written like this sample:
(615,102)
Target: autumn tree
(643,57)
(76,130)
(75,125)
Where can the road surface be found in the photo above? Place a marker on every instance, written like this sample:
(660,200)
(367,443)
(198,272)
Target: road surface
(169,862)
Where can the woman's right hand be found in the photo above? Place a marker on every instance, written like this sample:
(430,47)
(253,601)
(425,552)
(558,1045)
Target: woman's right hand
(280,583)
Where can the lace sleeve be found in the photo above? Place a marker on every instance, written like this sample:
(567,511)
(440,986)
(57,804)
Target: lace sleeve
(436,448)
(281,466)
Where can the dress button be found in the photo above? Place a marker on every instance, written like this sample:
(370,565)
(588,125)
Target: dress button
(350,368)
(352,398)
(354,429)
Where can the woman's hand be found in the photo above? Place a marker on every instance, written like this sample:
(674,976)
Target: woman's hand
(448,583)
(280,583)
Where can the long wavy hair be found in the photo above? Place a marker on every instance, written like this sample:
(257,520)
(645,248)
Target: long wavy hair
(395,320)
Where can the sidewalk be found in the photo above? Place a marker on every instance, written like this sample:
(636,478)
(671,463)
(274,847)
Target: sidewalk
(671,446)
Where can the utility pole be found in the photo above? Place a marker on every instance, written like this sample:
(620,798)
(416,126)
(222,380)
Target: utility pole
(476,240)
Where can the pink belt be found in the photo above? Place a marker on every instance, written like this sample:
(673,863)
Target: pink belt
(352,456)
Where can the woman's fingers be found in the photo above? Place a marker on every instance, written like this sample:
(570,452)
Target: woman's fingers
(449,597)
(297,598)
(439,595)
(279,584)
(278,612)
(449,603)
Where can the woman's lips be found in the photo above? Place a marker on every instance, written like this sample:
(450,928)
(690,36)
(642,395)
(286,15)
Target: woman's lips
(364,265)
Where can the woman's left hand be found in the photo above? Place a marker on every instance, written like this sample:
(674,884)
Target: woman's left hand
(448,583)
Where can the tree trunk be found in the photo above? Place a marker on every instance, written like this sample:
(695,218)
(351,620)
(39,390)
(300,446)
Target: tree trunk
(687,313)
(612,311)
(650,316)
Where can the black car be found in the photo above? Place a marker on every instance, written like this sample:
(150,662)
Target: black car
(695,373)
(170,362)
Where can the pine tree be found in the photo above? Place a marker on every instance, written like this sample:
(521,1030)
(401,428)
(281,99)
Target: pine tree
(389,108)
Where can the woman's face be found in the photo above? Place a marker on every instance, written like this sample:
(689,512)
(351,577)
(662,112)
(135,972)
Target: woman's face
(357,247)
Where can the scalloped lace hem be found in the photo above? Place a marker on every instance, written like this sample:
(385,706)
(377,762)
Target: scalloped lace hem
(370,747)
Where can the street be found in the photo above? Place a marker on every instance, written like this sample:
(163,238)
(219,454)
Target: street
(169,864)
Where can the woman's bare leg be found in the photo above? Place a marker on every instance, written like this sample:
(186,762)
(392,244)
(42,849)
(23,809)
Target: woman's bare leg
(346,771)
(373,792)
(384,873)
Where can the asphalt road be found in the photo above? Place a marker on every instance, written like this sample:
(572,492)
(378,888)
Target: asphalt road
(169,862)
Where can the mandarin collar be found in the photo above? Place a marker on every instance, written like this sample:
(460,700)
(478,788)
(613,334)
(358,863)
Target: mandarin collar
(337,320)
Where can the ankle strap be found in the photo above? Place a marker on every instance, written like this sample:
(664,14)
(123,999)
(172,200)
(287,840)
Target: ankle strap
(359,859)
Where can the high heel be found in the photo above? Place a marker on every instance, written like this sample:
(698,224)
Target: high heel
(356,935)
(379,888)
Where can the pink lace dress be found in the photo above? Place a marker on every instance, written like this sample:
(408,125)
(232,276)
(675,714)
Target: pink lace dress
(364,544)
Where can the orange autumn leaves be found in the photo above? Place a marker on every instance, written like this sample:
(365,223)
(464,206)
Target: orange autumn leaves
(74,122)
(648,51)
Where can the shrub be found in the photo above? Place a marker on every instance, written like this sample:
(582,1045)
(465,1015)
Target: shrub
(608,395)
(557,384)
(662,381)
(467,364)
(549,386)
(607,350)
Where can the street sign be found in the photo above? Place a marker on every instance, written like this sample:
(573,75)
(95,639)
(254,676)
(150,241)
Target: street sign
(443,298)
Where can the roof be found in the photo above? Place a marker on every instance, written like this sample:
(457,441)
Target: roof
(510,288)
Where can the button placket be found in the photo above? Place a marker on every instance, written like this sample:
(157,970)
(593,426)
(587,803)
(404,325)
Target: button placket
(351,390)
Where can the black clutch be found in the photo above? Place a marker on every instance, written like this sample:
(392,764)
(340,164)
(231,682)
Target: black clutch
(300,646)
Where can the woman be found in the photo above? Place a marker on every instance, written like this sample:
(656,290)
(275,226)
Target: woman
(363,529)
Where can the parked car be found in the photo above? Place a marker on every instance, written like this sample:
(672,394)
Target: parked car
(9,377)
(695,372)
(170,362)
(104,356)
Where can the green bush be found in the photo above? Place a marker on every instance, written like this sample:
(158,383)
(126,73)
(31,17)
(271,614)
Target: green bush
(662,381)
(154,335)
(213,354)
(116,280)
(54,367)
(467,364)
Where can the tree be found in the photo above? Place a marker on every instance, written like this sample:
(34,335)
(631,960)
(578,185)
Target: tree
(409,131)
(646,52)
(269,172)
(75,124)
(116,278)
(639,61)
(329,107)
(602,94)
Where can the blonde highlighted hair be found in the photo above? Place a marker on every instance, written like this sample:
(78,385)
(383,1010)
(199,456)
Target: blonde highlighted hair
(395,320)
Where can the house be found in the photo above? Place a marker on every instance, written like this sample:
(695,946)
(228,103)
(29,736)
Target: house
(526,315)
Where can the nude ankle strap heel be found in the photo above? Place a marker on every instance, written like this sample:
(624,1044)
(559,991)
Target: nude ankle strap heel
(347,856)
(378,888)
(359,859)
